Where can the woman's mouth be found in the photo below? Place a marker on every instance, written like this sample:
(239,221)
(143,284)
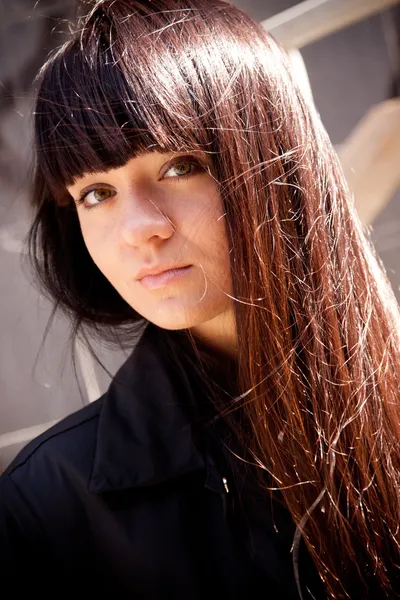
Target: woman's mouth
(153,282)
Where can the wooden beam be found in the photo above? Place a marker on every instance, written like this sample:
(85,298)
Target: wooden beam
(370,158)
(313,20)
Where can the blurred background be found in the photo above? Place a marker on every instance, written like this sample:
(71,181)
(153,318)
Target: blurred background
(346,55)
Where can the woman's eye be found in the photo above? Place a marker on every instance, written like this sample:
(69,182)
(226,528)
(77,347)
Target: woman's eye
(182,169)
(179,170)
(95,197)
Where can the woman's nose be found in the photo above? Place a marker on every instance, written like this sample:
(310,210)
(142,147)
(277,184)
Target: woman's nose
(142,221)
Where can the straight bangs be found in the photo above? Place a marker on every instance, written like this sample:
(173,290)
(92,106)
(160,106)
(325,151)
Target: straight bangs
(105,97)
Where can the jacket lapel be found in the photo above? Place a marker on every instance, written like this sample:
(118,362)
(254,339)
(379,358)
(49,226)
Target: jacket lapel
(145,435)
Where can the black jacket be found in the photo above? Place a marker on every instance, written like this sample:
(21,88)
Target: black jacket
(136,494)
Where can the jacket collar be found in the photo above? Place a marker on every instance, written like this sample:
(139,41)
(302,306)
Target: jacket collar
(145,434)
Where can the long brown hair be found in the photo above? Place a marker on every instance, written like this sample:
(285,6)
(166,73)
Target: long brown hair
(320,370)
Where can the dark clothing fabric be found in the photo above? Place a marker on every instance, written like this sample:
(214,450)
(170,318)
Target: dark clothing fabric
(138,494)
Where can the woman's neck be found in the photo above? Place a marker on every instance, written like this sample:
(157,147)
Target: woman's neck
(219,334)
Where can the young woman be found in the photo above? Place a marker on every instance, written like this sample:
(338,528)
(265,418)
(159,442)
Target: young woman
(185,192)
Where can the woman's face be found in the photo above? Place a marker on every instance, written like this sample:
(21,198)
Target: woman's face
(160,211)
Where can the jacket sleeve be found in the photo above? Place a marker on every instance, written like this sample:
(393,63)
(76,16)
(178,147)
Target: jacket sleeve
(20,533)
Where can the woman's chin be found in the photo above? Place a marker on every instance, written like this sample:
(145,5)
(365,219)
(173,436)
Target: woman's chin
(183,316)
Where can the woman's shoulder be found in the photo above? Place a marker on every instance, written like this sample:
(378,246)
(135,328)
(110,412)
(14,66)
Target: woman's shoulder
(40,489)
(68,445)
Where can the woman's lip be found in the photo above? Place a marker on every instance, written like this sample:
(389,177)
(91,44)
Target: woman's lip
(153,282)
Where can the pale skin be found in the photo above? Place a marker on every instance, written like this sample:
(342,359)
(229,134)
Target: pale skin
(163,209)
